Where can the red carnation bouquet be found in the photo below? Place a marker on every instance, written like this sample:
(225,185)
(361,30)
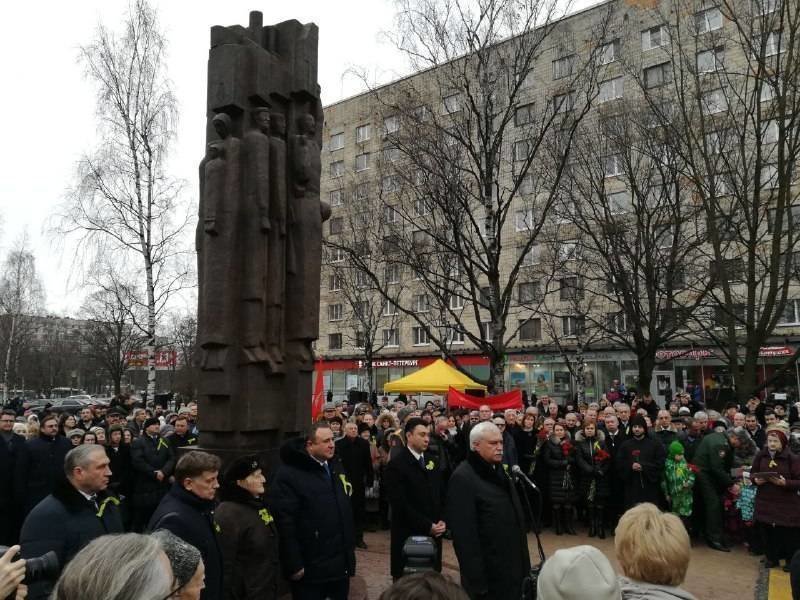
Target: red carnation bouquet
(635,455)
(601,456)
(693,468)
(566,448)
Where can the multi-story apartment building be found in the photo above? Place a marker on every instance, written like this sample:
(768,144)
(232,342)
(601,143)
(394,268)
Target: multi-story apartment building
(629,70)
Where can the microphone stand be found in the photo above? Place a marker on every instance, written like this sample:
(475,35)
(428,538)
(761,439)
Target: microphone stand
(530,581)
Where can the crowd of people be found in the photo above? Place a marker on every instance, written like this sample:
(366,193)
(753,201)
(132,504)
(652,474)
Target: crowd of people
(73,481)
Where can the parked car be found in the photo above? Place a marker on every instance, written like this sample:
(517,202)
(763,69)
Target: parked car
(71,405)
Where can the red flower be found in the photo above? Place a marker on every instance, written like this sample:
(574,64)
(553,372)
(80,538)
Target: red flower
(636,453)
(601,456)
(693,468)
(566,448)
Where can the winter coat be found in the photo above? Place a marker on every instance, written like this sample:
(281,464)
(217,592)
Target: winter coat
(525,442)
(778,505)
(640,590)
(356,459)
(248,538)
(121,482)
(191,518)
(313,514)
(644,485)
(179,441)
(485,517)
(149,455)
(416,500)
(594,485)
(65,522)
(677,486)
(39,468)
(714,458)
(562,471)
(10,453)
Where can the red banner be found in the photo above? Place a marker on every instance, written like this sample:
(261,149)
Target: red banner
(512,399)
(319,393)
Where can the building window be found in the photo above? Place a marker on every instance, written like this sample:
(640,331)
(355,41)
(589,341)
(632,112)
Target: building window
(655,37)
(337,255)
(612,165)
(361,339)
(523,219)
(362,161)
(334,312)
(451,104)
(563,102)
(420,336)
(337,142)
(657,75)
(526,186)
(773,43)
(529,291)
(665,236)
(608,53)
(391,243)
(791,312)
(389,214)
(391,154)
(391,337)
(529,255)
(336,197)
(708,20)
(610,89)
(619,202)
(363,279)
(390,183)
(572,325)
(564,66)
(521,150)
(732,269)
(389,308)
(530,330)
(766,7)
(456,302)
(391,273)
(709,61)
(334,282)
(420,238)
(790,220)
(714,102)
(336,225)
(770,132)
(486,331)
(335,341)
(617,322)
(362,133)
(568,251)
(337,168)
(455,336)
(421,207)
(571,289)
(721,315)
(523,115)
(421,303)
(391,125)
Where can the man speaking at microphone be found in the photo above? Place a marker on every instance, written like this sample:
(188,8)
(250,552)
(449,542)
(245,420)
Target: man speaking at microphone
(485,517)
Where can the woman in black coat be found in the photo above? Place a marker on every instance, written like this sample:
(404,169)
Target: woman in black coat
(247,534)
(593,462)
(559,457)
(525,440)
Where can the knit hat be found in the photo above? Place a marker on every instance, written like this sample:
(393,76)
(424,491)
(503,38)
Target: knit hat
(675,448)
(640,421)
(97,429)
(780,432)
(73,432)
(684,410)
(241,468)
(329,406)
(571,572)
(403,413)
(183,558)
(151,421)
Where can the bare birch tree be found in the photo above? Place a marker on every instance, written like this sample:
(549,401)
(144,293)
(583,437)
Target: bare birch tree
(124,206)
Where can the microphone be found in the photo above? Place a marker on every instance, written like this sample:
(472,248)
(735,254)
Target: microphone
(516,470)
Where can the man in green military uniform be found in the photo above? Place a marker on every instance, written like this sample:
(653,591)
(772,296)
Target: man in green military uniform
(714,457)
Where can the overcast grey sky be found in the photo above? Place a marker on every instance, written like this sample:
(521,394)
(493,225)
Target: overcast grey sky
(48,106)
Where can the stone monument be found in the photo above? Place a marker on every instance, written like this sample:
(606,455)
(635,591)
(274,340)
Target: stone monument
(259,236)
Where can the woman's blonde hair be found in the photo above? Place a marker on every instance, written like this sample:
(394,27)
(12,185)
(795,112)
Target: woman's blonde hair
(652,546)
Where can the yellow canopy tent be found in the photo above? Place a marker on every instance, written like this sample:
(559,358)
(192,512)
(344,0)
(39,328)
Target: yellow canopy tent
(437,378)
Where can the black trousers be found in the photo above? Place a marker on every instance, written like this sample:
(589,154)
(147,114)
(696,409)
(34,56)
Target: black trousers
(335,590)
(780,542)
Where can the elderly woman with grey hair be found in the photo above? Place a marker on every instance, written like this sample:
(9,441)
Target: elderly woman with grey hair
(117,567)
(187,565)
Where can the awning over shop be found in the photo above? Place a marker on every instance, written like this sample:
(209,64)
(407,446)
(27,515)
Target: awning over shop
(436,378)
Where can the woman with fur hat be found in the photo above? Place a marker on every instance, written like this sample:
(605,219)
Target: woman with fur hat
(777,509)
(593,462)
(247,534)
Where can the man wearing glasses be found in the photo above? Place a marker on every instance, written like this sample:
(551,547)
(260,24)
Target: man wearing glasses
(11,445)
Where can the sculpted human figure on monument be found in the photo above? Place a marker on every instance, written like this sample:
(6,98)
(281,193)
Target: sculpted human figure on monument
(220,197)
(308,213)
(277,260)
(255,228)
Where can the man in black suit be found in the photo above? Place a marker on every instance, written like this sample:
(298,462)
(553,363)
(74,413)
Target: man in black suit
(354,454)
(11,446)
(413,481)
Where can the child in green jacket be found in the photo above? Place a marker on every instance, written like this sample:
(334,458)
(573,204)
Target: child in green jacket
(678,482)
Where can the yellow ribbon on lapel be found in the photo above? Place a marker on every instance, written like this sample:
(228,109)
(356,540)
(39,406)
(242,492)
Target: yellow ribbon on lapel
(348,487)
(161,442)
(103,505)
(265,516)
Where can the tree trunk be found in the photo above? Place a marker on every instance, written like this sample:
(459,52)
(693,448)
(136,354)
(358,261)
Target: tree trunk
(151,333)
(580,376)
(646,365)
(7,365)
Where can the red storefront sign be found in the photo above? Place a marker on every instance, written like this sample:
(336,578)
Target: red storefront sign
(165,359)
(421,361)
